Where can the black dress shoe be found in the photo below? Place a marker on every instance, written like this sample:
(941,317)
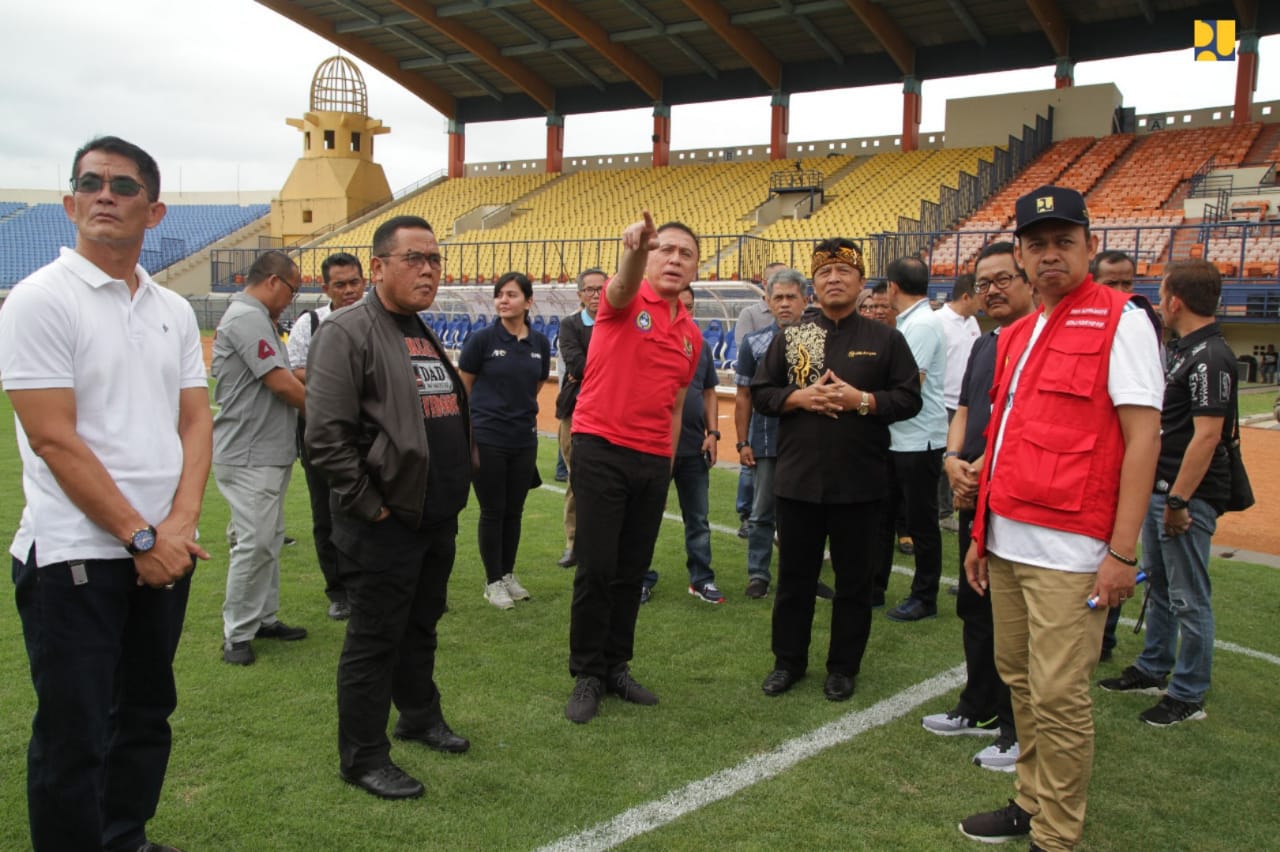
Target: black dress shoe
(569,559)
(238,654)
(280,630)
(839,687)
(439,737)
(157,847)
(387,782)
(779,681)
(912,610)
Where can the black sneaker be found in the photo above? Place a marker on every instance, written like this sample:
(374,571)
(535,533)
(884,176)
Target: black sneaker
(1134,679)
(623,685)
(1171,711)
(757,588)
(584,703)
(912,610)
(280,630)
(743,529)
(997,826)
(825,592)
(290,541)
(646,592)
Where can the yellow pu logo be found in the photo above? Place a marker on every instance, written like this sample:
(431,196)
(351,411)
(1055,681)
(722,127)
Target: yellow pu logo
(1044,204)
(1215,41)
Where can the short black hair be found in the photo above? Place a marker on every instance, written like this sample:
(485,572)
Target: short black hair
(831,245)
(999,247)
(274,262)
(910,274)
(385,237)
(147,168)
(963,286)
(1198,283)
(522,281)
(681,226)
(1110,256)
(880,288)
(341,258)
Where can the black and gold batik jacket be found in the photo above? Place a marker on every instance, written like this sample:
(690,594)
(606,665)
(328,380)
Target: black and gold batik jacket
(843,459)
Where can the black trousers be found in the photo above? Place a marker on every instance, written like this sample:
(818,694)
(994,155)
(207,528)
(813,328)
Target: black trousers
(620,494)
(101,655)
(397,581)
(321,522)
(803,531)
(984,694)
(915,478)
(502,484)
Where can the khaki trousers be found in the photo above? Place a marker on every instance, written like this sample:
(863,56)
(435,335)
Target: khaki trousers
(1047,643)
(570,505)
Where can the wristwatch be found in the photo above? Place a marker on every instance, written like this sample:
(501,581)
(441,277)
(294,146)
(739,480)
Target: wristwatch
(715,433)
(864,407)
(741,444)
(141,541)
(1176,503)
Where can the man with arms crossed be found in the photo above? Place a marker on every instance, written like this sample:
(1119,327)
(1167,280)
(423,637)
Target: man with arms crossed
(1193,484)
(644,350)
(1070,458)
(105,372)
(387,426)
(575,336)
(343,284)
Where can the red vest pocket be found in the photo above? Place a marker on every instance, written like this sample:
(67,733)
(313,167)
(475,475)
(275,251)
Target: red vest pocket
(1050,465)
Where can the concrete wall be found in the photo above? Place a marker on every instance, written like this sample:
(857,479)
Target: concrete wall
(992,119)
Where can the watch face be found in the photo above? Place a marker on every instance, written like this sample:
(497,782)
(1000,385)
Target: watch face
(144,540)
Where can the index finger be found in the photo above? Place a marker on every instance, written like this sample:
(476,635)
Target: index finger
(648,221)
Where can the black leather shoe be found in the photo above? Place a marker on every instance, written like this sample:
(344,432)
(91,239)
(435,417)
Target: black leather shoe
(779,681)
(280,630)
(569,559)
(238,654)
(387,782)
(339,610)
(439,737)
(839,687)
(156,847)
(911,610)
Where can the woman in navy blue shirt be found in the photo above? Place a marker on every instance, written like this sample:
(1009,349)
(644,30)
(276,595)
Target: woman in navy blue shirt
(502,367)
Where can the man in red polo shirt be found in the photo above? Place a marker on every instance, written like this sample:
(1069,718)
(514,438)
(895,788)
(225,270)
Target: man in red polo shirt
(643,353)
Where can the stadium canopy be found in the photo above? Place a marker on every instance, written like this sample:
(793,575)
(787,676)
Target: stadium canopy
(488,60)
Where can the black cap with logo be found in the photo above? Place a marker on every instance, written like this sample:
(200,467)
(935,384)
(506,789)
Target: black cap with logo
(1050,202)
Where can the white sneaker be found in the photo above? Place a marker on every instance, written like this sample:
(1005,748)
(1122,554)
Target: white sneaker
(956,723)
(515,591)
(1000,756)
(496,594)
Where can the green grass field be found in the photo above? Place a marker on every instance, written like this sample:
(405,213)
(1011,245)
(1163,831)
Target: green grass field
(254,763)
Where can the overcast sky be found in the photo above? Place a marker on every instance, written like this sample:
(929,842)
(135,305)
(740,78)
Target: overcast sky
(205,87)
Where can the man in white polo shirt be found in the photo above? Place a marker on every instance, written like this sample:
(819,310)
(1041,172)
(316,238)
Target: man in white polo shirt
(106,376)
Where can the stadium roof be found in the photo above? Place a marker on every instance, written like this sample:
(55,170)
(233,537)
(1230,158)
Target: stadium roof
(487,60)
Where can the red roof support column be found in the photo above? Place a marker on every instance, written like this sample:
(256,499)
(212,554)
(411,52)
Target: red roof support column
(661,135)
(1064,77)
(555,143)
(780,126)
(1246,77)
(457,150)
(910,113)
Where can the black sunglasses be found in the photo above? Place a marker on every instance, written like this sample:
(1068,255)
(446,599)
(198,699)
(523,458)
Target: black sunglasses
(91,183)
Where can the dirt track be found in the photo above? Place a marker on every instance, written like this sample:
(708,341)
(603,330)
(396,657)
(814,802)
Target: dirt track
(1255,529)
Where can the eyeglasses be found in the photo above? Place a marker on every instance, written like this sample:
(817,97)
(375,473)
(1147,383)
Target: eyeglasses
(416,259)
(90,183)
(590,290)
(1000,282)
(292,289)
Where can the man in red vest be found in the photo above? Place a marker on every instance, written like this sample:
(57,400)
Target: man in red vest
(1072,447)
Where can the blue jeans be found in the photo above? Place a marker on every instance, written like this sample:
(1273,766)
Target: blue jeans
(1178,584)
(746,491)
(692,480)
(761,526)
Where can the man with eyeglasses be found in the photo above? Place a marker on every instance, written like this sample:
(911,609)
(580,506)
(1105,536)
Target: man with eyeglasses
(575,336)
(984,708)
(106,376)
(342,279)
(387,425)
(254,445)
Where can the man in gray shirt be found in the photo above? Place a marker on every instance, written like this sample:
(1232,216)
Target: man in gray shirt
(254,445)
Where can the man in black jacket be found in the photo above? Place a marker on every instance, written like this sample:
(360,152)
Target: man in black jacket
(575,335)
(387,426)
(836,381)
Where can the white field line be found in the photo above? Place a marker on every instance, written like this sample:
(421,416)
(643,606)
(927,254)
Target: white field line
(728,782)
